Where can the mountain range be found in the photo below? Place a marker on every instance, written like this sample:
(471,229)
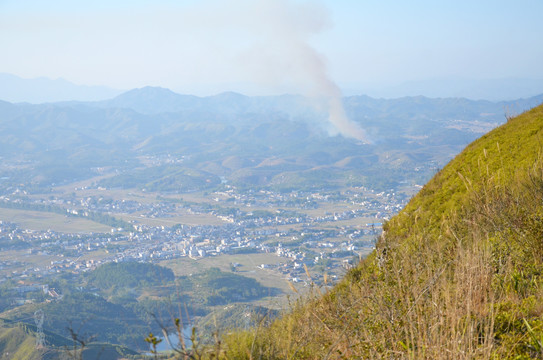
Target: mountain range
(42,90)
(456,274)
(278,142)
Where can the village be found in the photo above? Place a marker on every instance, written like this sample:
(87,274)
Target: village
(287,226)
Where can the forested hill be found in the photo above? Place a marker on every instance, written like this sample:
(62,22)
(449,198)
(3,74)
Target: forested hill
(457,274)
(275,142)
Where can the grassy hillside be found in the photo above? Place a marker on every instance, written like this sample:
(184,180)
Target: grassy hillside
(18,341)
(456,275)
(16,344)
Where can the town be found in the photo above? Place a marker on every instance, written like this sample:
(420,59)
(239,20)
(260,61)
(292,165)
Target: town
(329,230)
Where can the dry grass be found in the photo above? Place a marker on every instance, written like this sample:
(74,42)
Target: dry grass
(457,275)
(403,302)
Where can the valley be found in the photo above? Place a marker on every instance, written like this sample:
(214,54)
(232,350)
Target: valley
(220,206)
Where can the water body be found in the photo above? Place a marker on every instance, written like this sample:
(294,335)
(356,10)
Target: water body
(174,340)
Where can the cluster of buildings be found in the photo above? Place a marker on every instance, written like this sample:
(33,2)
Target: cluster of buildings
(74,252)
(296,237)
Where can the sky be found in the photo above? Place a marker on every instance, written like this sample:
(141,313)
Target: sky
(267,47)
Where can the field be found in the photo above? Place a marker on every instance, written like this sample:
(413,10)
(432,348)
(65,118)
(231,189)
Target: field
(254,219)
(249,266)
(42,221)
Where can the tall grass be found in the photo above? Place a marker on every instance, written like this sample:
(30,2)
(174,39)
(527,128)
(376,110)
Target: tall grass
(457,275)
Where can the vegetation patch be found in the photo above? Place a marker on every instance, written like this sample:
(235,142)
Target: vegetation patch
(129,274)
(457,273)
(215,287)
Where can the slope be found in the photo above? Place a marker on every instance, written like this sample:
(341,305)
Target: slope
(18,341)
(456,275)
(15,343)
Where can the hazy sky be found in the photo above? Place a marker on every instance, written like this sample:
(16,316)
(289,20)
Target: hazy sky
(270,46)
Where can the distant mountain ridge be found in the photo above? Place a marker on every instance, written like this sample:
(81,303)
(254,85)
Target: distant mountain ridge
(280,141)
(43,90)
(151,100)
(476,89)
(155,100)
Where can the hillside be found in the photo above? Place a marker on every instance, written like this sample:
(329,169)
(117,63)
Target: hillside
(456,275)
(156,139)
(18,341)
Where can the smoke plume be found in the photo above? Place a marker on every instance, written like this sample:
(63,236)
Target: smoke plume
(290,26)
(279,53)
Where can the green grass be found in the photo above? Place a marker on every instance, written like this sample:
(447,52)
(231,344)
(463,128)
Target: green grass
(496,157)
(16,344)
(457,274)
(18,341)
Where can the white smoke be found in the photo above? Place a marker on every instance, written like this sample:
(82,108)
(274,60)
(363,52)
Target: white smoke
(285,28)
(277,54)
